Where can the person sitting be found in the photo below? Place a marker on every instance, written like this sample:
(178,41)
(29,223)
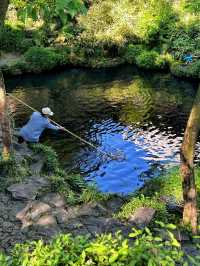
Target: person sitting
(188,58)
(37,123)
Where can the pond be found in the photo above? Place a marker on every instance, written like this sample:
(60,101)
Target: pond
(142,115)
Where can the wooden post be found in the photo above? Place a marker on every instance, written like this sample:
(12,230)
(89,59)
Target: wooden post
(187,165)
(4,121)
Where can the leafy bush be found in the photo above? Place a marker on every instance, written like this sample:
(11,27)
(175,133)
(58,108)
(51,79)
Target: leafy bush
(132,51)
(185,39)
(42,59)
(51,164)
(13,39)
(150,60)
(12,171)
(106,250)
(120,22)
(191,70)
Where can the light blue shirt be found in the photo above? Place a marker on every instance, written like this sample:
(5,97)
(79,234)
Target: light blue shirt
(33,129)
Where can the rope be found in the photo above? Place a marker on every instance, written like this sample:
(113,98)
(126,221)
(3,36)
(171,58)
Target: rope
(65,129)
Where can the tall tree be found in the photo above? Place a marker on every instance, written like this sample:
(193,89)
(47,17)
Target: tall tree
(4,121)
(187,165)
(3,10)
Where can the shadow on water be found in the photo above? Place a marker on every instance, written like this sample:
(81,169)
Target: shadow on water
(141,114)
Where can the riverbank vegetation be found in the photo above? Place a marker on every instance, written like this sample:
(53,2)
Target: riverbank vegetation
(156,245)
(150,34)
(146,249)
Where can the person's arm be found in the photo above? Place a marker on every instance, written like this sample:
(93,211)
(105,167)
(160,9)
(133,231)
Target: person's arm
(51,126)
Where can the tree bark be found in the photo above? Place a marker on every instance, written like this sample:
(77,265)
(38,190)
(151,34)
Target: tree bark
(4,121)
(3,10)
(187,165)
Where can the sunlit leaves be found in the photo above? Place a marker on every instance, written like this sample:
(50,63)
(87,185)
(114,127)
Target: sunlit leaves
(127,20)
(65,10)
(193,6)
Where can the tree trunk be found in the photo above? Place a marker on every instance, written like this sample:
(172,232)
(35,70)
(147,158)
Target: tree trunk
(187,165)
(4,121)
(3,10)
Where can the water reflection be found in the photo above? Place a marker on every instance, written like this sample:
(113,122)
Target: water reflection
(142,115)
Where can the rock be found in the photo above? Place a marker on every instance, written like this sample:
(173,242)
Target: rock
(30,189)
(46,220)
(32,213)
(36,168)
(142,216)
(114,204)
(92,209)
(23,191)
(62,215)
(40,182)
(54,200)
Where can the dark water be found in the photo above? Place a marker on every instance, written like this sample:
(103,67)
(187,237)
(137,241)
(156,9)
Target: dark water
(143,115)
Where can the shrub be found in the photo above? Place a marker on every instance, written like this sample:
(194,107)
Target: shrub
(185,39)
(12,171)
(189,71)
(146,249)
(132,51)
(150,60)
(42,59)
(14,39)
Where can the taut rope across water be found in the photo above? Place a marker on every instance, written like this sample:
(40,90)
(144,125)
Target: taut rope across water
(111,156)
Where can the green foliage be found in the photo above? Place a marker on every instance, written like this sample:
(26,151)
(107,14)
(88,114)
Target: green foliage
(193,6)
(168,185)
(49,155)
(42,59)
(49,10)
(191,70)
(12,171)
(131,51)
(185,39)
(106,250)
(91,194)
(150,60)
(143,201)
(122,21)
(14,39)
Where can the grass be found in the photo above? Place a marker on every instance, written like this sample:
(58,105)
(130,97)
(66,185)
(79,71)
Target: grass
(150,196)
(12,171)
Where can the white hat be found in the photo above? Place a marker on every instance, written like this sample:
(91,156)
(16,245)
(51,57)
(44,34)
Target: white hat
(47,111)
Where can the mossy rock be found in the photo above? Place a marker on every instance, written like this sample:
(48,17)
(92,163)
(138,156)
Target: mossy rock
(181,70)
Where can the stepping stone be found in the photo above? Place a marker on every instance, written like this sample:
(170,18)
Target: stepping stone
(35,213)
(142,217)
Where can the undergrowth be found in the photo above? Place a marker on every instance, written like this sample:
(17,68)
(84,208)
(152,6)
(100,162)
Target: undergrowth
(148,248)
(71,186)
(12,171)
(151,195)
